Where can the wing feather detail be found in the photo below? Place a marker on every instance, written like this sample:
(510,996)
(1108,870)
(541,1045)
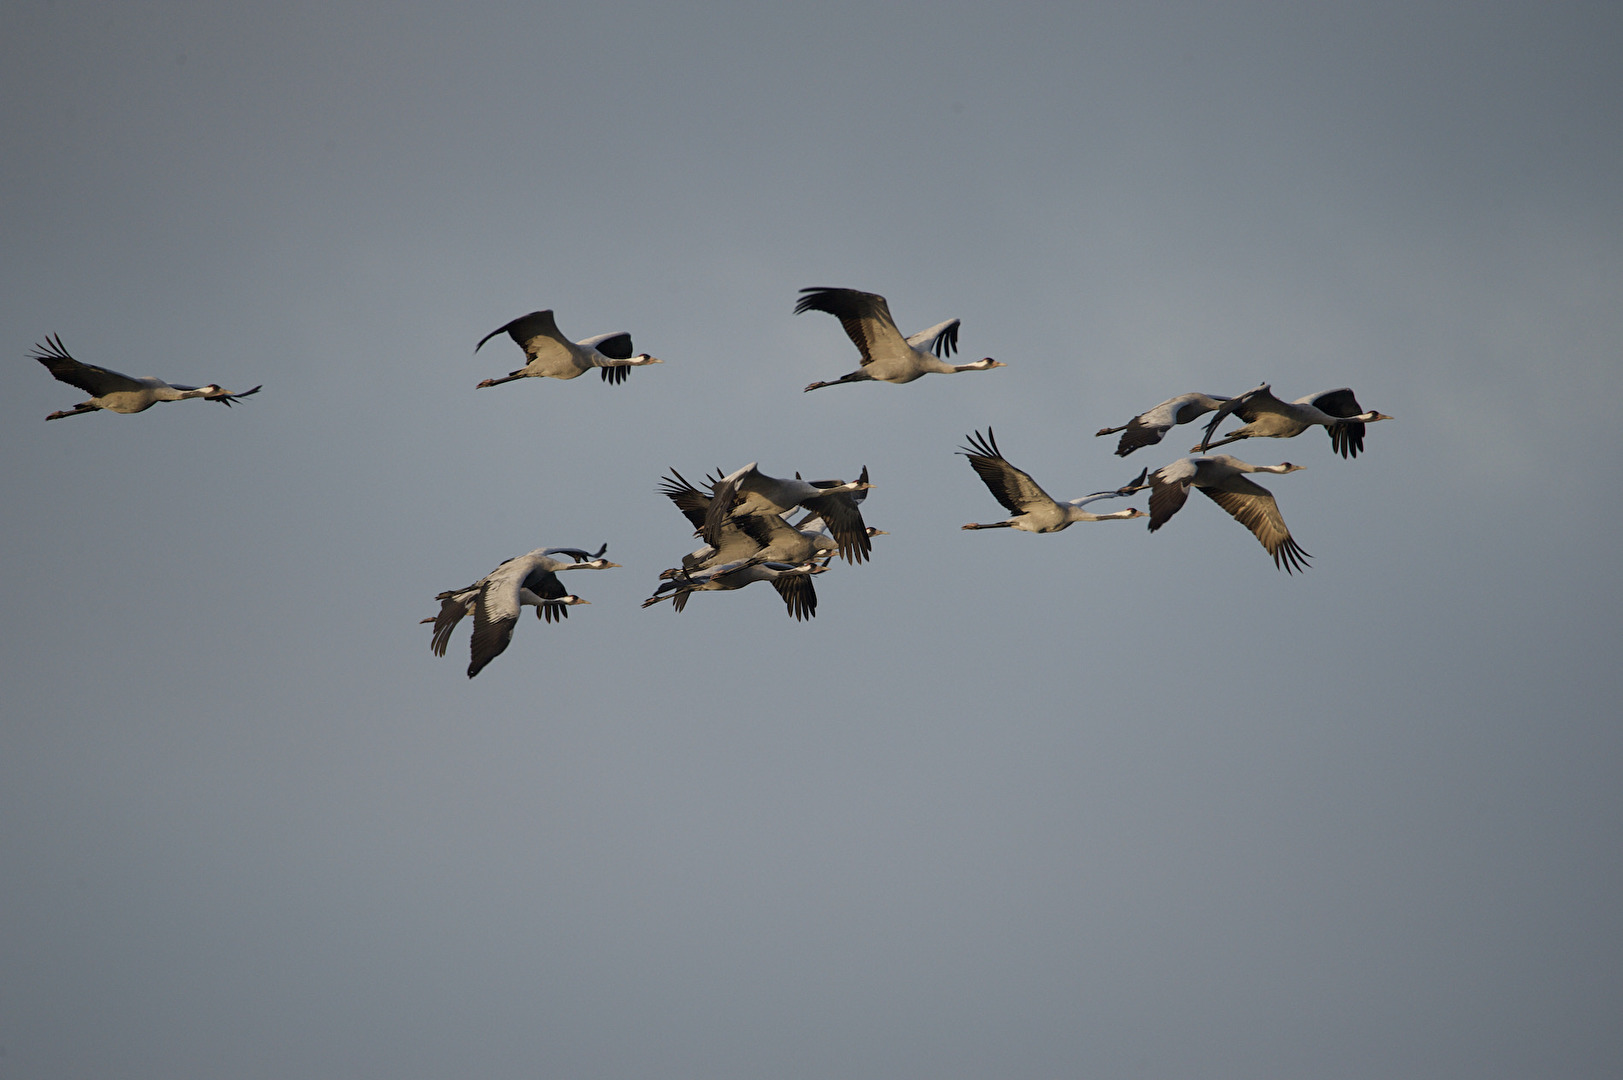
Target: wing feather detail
(865,317)
(1013,488)
(1257,511)
(93,380)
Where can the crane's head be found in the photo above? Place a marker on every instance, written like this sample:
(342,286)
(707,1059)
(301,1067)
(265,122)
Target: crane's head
(216,392)
(986,363)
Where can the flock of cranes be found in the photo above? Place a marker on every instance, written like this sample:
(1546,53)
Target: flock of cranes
(747,519)
(745,522)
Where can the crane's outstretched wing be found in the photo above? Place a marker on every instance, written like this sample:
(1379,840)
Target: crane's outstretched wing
(615,345)
(942,338)
(693,502)
(1345,439)
(1169,490)
(93,380)
(576,554)
(865,316)
(1012,487)
(535,333)
(799,595)
(545,585)
(843,517)
(495,615)
(1253,506)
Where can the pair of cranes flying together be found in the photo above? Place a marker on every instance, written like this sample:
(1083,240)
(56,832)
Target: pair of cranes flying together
(1224,478)
(886,355)
(1220,477)
(1265,416)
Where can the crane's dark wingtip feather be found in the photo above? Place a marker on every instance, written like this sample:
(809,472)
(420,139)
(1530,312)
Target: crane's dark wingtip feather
(476,348)
(1289,557)
(981,445)
(809,298)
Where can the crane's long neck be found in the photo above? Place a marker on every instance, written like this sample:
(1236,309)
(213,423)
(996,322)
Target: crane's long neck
(1246,467)
(929,361)
(180,393)
(1076,513)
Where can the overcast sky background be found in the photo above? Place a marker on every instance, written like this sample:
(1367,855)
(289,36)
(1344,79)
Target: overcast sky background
(1098,804)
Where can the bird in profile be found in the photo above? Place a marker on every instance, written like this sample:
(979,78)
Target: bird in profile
(886,355)
(117,392)
(496,599)
(1148,428)
(1222,478)
(1034,510)
(553,356)
(1267,417)
(792,581)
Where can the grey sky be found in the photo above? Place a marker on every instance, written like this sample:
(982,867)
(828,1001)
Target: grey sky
(1098,804)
